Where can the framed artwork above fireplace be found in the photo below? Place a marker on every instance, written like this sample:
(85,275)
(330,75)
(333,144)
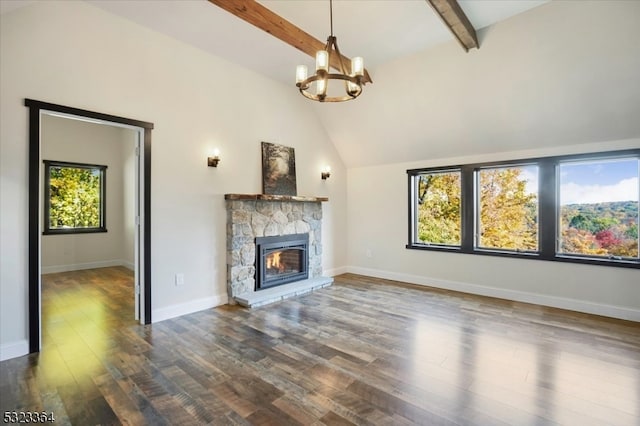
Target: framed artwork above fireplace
(278,169)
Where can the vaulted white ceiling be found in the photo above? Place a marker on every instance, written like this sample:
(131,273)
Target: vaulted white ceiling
(378,30)
(546,73)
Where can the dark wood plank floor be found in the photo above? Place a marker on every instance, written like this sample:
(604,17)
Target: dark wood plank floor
(364,351)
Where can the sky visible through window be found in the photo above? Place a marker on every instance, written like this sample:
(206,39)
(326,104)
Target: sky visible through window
(529,174)
(599,181)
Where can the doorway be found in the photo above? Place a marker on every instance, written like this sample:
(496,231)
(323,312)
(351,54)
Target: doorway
(142,255)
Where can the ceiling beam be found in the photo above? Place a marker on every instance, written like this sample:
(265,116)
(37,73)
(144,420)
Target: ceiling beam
(453,16)
(259,16)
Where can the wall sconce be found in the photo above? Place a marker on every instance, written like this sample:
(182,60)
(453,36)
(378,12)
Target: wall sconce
(326,172)
(213,161)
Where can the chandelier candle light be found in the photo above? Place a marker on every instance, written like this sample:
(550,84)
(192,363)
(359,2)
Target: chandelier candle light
(352,82)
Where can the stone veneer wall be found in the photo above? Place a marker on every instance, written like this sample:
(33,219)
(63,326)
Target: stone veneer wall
(248,219)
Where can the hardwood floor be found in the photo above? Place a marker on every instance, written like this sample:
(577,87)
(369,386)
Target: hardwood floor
(364,351)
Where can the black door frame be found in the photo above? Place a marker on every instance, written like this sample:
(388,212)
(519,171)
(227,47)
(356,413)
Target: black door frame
(35,108)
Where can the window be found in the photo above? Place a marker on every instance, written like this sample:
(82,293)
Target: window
(599,208)
(74,198)
(438,208)
(507,210)
(579,208)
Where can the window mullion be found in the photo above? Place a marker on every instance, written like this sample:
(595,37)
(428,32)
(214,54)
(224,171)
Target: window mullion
(547,211)
(468,209)
(411,208)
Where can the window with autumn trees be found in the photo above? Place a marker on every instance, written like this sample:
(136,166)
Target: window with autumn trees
(599,208)
(74,198)
(507,208)
(438,208)
(579,208)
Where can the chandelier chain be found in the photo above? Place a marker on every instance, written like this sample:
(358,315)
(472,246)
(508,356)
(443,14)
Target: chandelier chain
(331,15)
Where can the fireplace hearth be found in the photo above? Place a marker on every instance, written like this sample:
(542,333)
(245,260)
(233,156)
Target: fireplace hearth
(281,259)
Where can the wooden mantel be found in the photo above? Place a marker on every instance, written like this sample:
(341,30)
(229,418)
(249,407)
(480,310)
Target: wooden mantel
(268,197)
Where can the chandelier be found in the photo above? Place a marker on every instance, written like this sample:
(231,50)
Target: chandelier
(316,87)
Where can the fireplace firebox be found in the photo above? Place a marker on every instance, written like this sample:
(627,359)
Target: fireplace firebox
(281,259)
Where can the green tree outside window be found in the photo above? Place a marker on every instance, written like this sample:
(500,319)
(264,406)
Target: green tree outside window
(439,208)
(74,197)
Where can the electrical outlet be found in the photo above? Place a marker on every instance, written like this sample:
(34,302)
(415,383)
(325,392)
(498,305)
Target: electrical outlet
(179,279)
(369,253)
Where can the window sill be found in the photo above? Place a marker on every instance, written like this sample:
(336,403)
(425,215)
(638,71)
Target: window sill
(437,247)
(74,231)
(529,255)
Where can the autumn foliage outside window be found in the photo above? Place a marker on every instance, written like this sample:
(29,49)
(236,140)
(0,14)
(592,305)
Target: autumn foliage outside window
(577,208)
(599,208)
(438,196)
(508,208)
(74,198)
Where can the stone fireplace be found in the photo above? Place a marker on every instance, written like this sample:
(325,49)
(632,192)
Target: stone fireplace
(265,229)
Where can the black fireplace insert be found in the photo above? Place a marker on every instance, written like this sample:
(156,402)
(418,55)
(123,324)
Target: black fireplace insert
(281,259)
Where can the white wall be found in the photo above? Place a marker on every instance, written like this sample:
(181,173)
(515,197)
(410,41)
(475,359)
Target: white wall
(64,139)
(382,230)
(74,54)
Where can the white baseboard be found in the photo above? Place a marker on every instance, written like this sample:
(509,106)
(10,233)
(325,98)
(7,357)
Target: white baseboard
(128,265)
(335,271)
(81,266)
(500,293)
(14,350)
(173,311)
